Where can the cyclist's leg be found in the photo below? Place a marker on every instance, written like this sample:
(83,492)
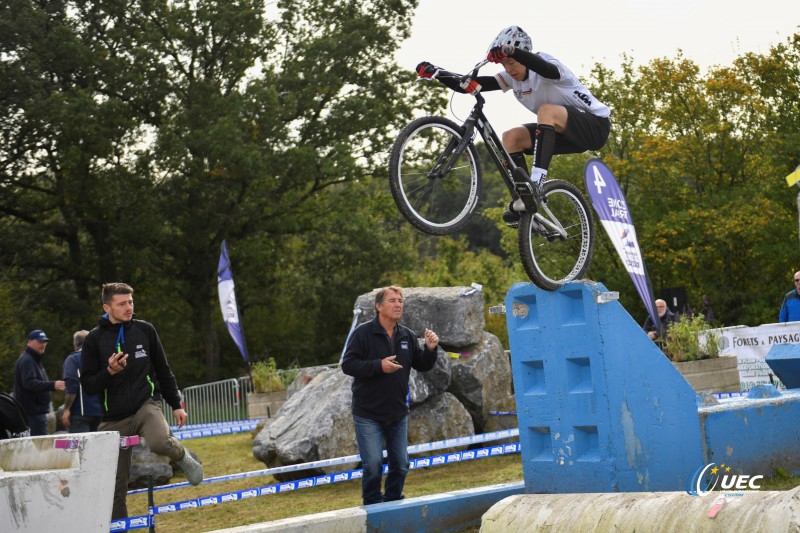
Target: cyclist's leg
(565,130)
(516,141)
(553,119)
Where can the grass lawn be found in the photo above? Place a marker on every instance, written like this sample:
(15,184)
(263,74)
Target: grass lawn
(229,454)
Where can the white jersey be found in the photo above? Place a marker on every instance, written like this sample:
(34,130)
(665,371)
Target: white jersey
(538,90)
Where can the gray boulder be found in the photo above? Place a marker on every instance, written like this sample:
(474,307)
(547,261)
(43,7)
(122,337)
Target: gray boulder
(482,382)
(441,417)
(145,463)
(458,320)
(452,400)
(315,423)
(305,376)
(424,385)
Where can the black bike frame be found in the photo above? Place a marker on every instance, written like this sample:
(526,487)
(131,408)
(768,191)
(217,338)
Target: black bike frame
(497,151)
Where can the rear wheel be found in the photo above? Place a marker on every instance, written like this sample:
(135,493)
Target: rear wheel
(556,244)
(432,200)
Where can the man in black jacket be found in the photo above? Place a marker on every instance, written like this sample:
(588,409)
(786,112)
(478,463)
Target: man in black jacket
(32,387)
(123,362)
(380,356)
(665,316)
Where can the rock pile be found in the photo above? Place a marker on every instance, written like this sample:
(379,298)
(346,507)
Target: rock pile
(472,377)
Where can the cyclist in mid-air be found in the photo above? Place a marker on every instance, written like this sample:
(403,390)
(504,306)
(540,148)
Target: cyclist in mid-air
(570,119)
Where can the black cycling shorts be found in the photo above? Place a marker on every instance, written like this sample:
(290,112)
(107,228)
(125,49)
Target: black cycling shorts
(584,132)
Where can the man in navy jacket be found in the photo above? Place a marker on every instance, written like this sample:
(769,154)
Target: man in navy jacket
(380,356)
(32,387)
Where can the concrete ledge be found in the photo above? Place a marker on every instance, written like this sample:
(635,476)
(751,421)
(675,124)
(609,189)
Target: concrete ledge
(654,512)
(66,490)
(352,520)
(754,436)
(440,513)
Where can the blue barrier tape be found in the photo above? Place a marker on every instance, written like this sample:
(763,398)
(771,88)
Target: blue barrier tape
(503,413)
(240,427)
(417,448)
(326,479)
(188,427)
(134,522)
(220,423)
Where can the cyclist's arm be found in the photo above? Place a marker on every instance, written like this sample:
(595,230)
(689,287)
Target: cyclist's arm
(451,81)
(536,63)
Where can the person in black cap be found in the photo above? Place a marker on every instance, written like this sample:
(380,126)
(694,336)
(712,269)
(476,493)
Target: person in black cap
(31,385)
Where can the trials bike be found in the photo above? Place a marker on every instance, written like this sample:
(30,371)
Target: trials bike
(436,179)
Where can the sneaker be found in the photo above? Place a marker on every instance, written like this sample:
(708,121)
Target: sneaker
(192,469)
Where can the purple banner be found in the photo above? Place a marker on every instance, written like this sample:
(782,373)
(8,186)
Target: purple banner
(612,209)
(227,301)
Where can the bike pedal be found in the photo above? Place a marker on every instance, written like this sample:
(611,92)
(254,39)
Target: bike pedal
(527,199)
(523,187)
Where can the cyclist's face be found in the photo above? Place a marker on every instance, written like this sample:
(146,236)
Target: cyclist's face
(515,70)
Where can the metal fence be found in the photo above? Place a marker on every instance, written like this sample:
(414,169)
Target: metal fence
(220,401)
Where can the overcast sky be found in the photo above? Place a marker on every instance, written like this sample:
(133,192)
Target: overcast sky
(455,34)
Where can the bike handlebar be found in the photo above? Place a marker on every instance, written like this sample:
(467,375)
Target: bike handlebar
(466,81)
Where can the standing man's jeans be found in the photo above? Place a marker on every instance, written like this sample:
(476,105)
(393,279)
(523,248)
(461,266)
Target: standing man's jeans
(149,422)
(38,424)
(371,436)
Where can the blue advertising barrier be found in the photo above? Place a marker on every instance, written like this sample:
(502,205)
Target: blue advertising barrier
(145,521)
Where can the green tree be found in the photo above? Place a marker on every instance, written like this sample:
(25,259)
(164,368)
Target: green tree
(700,158)
(142,134)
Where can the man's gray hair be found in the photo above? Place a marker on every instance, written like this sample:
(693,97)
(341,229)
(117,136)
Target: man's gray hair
(381,294)
(78,337)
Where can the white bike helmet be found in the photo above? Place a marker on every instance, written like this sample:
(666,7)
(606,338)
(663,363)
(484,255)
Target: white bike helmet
(515,36)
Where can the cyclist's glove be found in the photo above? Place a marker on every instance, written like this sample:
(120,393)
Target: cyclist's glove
(498,53)
(426,70)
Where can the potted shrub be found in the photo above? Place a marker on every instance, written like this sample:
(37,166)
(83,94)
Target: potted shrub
(266,376)
(693,348)
(269,384)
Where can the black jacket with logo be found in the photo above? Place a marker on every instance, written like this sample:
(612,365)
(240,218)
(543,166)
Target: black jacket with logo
(376,395)
(146,375)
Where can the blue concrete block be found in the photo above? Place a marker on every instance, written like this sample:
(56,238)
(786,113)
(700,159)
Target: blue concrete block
(754,436)
(440,513)
(599,407)
(763,391)
(784,360)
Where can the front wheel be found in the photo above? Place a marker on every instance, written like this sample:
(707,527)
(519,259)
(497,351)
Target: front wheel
(556,243)
(435,186)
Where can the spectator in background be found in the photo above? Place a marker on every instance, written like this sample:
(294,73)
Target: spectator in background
(84,415)
(790,308)
(665,316)
(380,356)
(32,387)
